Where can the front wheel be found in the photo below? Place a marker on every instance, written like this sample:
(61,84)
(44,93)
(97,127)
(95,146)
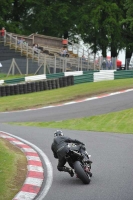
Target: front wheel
(82,175)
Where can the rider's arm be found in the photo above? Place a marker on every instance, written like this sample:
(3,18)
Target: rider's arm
(54,152)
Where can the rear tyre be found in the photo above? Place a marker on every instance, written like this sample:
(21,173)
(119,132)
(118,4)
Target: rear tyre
(82,175)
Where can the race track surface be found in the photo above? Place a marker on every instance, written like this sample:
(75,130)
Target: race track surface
(112,158)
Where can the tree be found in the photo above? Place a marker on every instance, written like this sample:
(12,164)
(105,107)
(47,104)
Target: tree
(100,25)
(127,24)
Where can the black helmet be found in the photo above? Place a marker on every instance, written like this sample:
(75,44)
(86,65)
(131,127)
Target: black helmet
(58,133)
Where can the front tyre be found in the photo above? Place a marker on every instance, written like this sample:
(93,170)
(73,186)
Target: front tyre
(82,175)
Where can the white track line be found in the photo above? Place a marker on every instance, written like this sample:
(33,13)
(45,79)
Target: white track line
(73,102)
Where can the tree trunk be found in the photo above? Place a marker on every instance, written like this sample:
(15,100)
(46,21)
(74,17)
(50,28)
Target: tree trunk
(104,53)
(128,57)
(66,35)
(114,53)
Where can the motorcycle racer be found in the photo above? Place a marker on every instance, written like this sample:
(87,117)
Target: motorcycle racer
(60,148)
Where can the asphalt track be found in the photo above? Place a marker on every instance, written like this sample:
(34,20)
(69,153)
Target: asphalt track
(111,153)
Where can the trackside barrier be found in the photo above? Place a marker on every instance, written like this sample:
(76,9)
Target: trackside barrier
(90,71)
(35,78)
(83,78)
(47,76)
(1,82)
(104,75)
(36,86)
(123,74)
(16,80)
(76,73)
(87,76)
(53,81)
(57,75)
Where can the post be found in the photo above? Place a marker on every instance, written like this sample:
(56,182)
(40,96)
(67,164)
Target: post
(10,40)
(44,64)
(88,59)
(78,62)
(27,66)
(81,63)
(55,64)
(16,43)
(13,68)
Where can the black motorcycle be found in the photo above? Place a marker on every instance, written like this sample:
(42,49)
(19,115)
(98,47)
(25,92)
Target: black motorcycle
(78,159)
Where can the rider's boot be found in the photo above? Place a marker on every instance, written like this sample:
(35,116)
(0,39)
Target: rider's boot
(90,174)
(69,170)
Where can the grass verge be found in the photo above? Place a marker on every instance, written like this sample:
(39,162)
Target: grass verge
(44,98)
(13,169)
(117,122)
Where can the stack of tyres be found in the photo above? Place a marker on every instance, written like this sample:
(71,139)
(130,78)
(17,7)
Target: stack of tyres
(0,91)
(24,86)
(68,80)
(72,80)
(61,82)
(7,88)
(16,89)
(21,89)
(12,90)
(53,84)
(29,87)
(37,86)
(64,79)
(45,85)
(57,83)
(33,87)
(49,84)
(3,91)
(41,85)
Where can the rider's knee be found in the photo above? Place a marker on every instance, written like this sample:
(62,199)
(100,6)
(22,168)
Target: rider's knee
(60,168)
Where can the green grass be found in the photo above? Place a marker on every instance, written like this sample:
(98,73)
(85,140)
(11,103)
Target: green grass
(117,122)
(120,122)
(5,77)
(44,98)
(9,182)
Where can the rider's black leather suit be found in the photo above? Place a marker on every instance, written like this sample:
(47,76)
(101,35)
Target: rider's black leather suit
(59,148)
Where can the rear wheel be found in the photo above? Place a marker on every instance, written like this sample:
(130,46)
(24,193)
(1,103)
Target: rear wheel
(82,175)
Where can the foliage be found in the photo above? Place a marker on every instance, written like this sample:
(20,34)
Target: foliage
(103,24)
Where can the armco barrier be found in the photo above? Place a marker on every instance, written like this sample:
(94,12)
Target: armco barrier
(36,86)
(35,78)
(83,78)
(123,74)
(57,75)
(90,71)
(104,75)
(76,73)
(16,80)
(1,82)
(45,76)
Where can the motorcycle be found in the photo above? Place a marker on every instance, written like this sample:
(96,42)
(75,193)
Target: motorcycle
(79,160)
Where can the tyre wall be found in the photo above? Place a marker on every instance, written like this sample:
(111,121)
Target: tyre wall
(36,86)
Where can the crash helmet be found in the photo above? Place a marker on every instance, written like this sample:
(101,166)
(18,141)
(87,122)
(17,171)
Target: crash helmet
(58,133)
